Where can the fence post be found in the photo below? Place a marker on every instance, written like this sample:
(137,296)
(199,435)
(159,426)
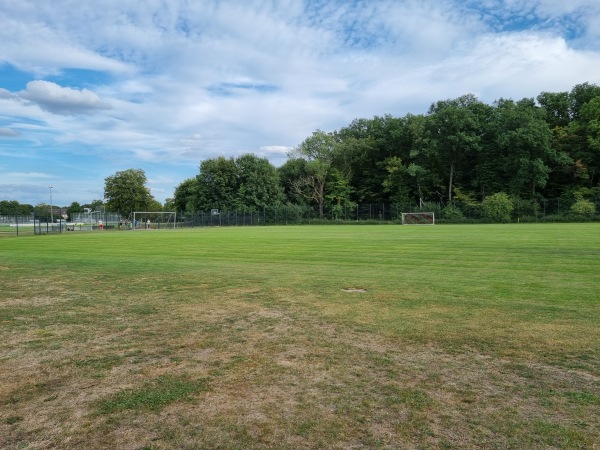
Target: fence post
(544,209)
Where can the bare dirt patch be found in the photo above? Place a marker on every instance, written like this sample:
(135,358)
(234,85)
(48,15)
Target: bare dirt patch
(354,290)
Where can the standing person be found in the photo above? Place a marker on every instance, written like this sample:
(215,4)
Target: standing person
(100,225)
(148,224)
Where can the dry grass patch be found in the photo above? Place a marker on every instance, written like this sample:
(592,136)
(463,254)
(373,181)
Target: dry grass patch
(245,376)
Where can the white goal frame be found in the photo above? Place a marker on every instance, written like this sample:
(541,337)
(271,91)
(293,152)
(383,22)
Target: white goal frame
(142,226)
(418,218)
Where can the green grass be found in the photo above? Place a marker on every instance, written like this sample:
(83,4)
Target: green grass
(154,395)
(462,337)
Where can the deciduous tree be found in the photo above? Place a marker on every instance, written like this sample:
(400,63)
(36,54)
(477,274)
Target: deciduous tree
(454,134)
(259,184)
(186,196)
(319,151)
(126,191)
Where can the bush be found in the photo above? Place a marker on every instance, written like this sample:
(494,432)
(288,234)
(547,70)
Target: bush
(583,209)
(498,207)
(453,214)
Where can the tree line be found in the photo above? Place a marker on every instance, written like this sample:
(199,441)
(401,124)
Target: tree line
(458,154)
(11,208)
(124,192)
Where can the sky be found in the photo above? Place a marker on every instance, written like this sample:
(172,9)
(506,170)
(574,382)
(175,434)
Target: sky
(91,88)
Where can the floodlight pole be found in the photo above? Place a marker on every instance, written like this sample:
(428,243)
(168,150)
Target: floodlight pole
(51,212)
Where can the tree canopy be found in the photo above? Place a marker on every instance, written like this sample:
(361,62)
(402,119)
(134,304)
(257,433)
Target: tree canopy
(126,191)
(246,183)
(462,147)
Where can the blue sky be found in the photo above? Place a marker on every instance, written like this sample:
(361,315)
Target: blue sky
(91,88)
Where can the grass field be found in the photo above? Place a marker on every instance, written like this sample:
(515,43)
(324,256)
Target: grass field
(302,337)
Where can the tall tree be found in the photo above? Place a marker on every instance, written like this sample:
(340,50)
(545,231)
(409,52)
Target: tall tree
(319,151)
(397,181)
(580,95)
(259,184)
(291,171)
(589,152)
(454,134)
(126,191)
(359,157)
(557,108)
(364,145)
(218,184)
(524,141)
(244,183)
(422,162)
(338,192)
(186,196)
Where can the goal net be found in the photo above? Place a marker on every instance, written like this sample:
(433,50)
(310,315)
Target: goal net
(418,218)
(147,220)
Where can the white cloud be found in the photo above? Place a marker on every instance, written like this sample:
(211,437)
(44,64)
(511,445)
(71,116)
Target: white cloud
(275,149)
(7,95)
(186,81)
(40,44)
(60,100)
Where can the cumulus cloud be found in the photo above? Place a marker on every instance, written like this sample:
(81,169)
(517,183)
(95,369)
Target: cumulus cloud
(7,95)
(60,100)
(178,82)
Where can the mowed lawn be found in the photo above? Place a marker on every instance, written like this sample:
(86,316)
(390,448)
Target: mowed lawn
(298,337)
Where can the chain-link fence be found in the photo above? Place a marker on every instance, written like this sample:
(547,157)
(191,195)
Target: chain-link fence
(16,225)
(541,210)
(30,225)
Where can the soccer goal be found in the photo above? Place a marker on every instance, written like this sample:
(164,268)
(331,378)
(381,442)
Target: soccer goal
(150,220)
(418,218)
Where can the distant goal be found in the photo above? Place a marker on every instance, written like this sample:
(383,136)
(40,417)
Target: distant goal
(150,220)
(418,218)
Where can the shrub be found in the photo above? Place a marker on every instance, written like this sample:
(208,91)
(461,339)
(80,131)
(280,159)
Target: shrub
(498,207)
(583,209)
(453,214)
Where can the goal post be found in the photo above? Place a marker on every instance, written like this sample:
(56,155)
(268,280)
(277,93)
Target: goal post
(418,218)
(146,220)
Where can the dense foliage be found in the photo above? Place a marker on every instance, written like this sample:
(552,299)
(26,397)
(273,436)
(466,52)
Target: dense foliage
(126,191)
(457,155)
(14,208)
(246,183)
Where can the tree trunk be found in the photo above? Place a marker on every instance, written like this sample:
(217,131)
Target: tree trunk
(450,182)
(321,198)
